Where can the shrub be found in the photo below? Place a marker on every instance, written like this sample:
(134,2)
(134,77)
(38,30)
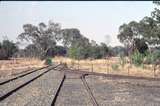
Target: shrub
(48,61)
(156,55)
(115,67)
(137,58)
(151,58)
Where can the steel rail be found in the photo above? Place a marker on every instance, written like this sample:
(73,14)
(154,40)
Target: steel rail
(89,91)
(58,90)
(26,83)
(114,75)
(20,76)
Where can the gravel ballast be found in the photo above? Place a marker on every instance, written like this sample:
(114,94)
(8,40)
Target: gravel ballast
(38,93)
(73,92)
(124,92)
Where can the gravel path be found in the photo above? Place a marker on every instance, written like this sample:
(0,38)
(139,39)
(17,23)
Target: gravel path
(38,93)
(73,93)
(124,92)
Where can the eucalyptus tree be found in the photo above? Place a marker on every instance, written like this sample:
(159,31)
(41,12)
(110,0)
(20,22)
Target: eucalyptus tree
(150,31)
(76,43)
(127,34)
(72,36)
(42,36)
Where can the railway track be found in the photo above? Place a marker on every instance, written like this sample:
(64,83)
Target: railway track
(10,86)
(78,91)
(22,74)
(113,75)
(89,91)
(59,86)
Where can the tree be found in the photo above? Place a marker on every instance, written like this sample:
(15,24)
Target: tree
(7,49)
(141,45)
(150,30)
(118,51)
(73,52)
(103,49)
(31,51)
(42,36)
(72,37)
(78,44)
(59,51)
(127,34)
(156,13)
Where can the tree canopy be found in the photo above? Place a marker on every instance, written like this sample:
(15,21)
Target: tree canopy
(7,49)
(42,36)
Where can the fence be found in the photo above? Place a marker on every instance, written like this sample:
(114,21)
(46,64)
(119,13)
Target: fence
(112,66)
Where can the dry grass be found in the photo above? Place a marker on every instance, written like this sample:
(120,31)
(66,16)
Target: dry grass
(9,67)
(107,66)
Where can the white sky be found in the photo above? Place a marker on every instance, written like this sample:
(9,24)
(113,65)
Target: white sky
(94,19)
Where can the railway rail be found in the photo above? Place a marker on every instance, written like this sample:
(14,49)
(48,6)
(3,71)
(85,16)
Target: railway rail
(22,74)
(94,101)
(10,86)
(65,87)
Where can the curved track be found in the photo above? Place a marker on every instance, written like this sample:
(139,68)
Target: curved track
(59,86)
(89,91)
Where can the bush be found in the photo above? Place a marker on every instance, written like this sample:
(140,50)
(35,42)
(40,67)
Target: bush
(152,58)
(115,67)
(149,59)
(157,55)
(137,58)
(48,61)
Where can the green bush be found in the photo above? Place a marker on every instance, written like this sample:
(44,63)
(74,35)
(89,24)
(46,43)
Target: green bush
(151,58)
(48,61)
(137,58)
(115,67)
(157,55)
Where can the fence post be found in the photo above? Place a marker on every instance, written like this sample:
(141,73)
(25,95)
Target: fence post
(92,65)
(128,70)
(78,64)
(107,65)
(154,70)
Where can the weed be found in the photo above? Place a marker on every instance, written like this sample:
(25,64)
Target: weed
(115,67)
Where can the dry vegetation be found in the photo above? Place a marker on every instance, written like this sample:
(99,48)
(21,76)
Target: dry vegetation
(111,66)
(14,66)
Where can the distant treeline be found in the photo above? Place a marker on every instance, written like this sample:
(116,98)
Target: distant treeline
(136,37)
(8,49)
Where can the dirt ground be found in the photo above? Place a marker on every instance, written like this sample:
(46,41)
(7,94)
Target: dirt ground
(14,66)
(111,65)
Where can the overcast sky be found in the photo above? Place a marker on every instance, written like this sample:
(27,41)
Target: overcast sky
(94,19)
